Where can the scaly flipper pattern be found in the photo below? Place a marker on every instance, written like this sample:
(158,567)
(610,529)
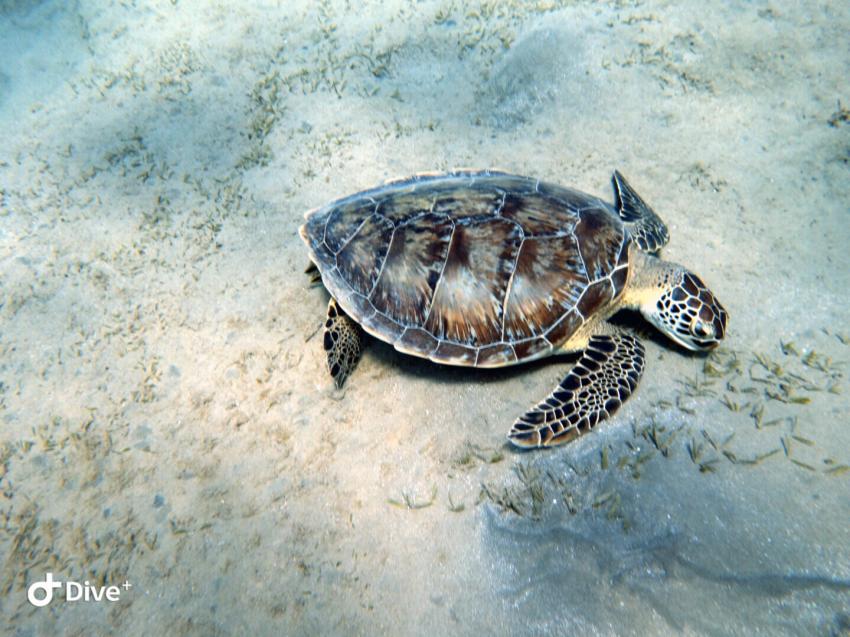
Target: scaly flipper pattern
(646,228)
(601,381)
(343,343)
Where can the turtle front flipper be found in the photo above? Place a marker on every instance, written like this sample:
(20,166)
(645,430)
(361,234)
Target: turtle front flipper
(646,228)
(601,381)
(343,343)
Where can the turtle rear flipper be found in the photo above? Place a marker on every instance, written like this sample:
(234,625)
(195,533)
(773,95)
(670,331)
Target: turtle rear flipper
(648,231)
(313,272)
(604,377)
(343,343)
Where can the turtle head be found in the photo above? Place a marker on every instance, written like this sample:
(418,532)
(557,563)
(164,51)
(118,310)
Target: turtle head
(679,304)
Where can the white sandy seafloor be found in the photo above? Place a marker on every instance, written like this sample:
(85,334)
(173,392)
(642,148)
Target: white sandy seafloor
(167,419)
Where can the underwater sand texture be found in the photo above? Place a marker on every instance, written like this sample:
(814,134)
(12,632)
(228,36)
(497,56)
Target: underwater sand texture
(167,418)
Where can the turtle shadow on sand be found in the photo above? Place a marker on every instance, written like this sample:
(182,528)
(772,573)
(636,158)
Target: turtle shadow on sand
(411,366)
(406,365)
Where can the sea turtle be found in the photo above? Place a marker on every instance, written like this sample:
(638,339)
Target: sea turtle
(488,269)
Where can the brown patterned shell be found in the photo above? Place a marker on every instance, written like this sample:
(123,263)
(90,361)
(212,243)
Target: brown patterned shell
(469,268)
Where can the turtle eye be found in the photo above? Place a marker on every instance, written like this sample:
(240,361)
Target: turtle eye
(702,329)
